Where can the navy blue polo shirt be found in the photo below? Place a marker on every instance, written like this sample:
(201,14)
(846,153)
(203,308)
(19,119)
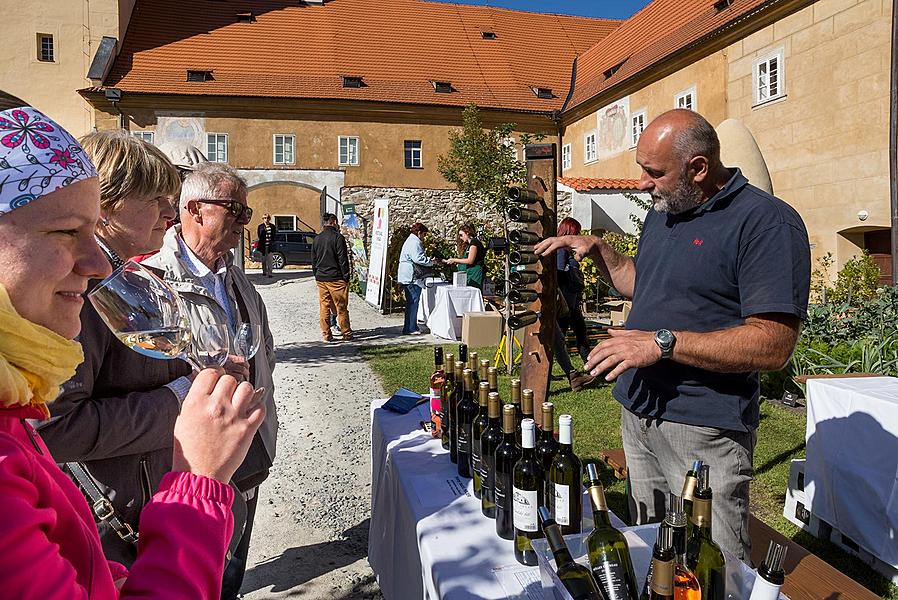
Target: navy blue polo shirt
(741,253)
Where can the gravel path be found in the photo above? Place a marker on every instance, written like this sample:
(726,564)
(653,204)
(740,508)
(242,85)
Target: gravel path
(310,538)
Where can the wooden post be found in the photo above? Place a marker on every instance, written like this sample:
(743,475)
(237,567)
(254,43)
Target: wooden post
(539,338)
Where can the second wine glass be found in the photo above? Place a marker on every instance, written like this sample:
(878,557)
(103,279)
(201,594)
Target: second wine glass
(247,340)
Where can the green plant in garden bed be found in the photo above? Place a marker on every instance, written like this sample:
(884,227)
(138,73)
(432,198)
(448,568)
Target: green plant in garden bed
(597,427)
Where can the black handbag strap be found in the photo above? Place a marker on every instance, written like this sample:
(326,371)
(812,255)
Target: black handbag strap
(100,505)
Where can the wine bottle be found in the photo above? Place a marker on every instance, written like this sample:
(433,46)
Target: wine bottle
(522,319)
(647,586)
(522,237)
(454,401)
(565,476)
(689,490)
(523,296)
(523,196)
(662,586)
(703,555)
(463,354)
(484,370)
(477,429)
(546,448)
(467,412)
(445,400)
(576,578)
(686,586)
(518,257)
(527,405)
(490,439)
(771,575)
(493,378)
(516,402)
(519,278)
(528,496)
(609,553)
(437,379)
(507,455)
(522,215)
(474,365)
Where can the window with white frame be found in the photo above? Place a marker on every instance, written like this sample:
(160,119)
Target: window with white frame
(590,152)
(768,77)
(637,126)
(686,99)
(565,157)
(46,49)
(285,222)
(146,136)
(348,151)
(413,154)
(284,149)
(217,147)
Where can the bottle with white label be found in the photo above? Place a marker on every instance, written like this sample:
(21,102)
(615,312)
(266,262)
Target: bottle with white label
(528,496)
(565,479)
(507,455)
(771,574)
(609,553)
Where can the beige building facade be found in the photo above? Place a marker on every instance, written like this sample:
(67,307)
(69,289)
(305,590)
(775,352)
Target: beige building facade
(812,88)
(48,51)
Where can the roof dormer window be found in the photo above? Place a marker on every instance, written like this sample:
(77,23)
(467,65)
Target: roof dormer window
(246,17)
(442,87)
(199,75)
(722,4)
(352,81)
(609,73)
(542,92)
(488,35)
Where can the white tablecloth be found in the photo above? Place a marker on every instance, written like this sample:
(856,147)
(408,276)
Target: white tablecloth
(429,297)
(428,538)
(451,304)
(851,473)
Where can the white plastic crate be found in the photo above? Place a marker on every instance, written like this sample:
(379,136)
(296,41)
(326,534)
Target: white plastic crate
(797,509)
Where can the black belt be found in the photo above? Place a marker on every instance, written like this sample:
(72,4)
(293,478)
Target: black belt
(100,505)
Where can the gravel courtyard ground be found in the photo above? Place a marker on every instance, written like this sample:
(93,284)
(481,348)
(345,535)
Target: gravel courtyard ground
(311,530)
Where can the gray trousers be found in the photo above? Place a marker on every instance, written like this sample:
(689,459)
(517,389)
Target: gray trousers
(660,452)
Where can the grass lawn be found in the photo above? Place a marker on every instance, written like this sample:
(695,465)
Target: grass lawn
(597,427)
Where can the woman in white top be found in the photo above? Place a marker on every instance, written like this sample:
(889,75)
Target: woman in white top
(413,253)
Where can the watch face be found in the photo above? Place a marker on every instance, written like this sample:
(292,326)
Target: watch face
(664,336)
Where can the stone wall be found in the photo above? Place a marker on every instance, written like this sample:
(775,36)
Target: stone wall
(440,209)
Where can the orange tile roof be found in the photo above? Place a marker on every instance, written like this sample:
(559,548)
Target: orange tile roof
(654,33)
(398,47)
(586,184)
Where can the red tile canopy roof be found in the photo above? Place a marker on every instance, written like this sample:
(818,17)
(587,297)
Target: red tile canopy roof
(586,184)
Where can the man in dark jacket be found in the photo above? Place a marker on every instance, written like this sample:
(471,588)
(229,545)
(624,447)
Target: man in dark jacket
(265,236)
(330,265)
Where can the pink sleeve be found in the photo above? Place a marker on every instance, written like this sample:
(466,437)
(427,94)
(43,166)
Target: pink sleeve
(184,534)
(32,566)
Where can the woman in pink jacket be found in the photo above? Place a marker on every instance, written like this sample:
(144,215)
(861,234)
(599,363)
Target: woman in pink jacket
(49,208)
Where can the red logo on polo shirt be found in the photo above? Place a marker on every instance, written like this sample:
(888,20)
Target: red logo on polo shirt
(697,242)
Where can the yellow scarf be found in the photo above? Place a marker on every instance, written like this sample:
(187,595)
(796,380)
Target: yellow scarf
(34,361)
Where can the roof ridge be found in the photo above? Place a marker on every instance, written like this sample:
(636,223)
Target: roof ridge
(518,11)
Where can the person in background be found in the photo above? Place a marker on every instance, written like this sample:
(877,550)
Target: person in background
(330,266)
(412,254)
(49,211)
(571,286)
(198,263)
(472,255)
(708,314)
(265,236)
(140,395)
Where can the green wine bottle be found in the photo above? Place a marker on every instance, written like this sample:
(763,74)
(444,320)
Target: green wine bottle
(689,490)
(546,448)
(484,371)
(528,496)
(609,553)
(445,400)
(492,375)
(477,429)
(467,412)
(474,365)
(565,477)
(662,586)
(576,578)
(507,455)
(703,555)
(518,414)
(490,439)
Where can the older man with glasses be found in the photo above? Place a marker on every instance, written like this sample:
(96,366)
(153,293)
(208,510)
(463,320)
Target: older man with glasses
(198,263)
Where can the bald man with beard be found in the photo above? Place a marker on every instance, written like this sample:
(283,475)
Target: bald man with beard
(720,287)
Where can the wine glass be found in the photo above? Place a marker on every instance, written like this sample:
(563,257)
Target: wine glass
(142,311)
(210,345)
(247,340)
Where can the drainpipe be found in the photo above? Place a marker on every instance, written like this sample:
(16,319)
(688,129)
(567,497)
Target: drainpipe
(893,143)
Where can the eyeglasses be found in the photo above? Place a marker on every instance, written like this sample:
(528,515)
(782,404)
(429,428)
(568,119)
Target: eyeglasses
(238,210)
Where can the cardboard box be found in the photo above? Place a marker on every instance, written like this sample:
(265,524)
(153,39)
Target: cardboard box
(620,310)
(481,329)
(460,279)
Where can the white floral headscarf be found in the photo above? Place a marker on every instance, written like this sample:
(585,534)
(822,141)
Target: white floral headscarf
(37,157)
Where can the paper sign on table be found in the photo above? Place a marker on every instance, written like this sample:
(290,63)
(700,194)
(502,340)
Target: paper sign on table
(520,582)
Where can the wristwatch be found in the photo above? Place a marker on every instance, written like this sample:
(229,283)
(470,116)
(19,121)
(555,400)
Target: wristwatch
(665,340)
